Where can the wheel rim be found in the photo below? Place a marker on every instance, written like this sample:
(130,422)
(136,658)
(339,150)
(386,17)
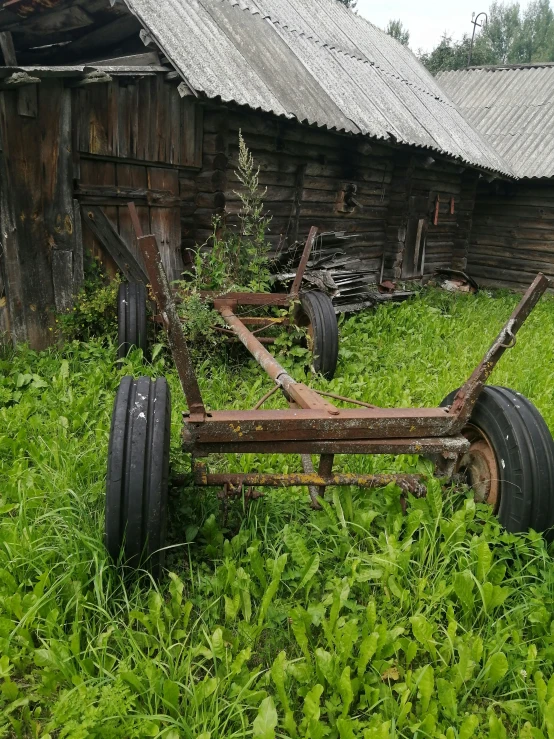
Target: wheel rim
(479,468)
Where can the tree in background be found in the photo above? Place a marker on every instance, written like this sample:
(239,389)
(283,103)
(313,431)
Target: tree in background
(397,30)
(349,3)
(512,36)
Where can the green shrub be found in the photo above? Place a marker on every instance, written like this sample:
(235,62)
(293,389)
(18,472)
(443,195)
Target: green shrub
(95,310)
(356,621)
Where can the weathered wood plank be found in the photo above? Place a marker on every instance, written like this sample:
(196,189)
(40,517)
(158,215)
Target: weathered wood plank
(62,276)
(27,101)
(78,250)
(133,177)
(107,235)
(8,49)
(9,253)
(165,223)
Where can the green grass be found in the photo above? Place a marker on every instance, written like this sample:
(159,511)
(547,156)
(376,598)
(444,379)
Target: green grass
(274,620)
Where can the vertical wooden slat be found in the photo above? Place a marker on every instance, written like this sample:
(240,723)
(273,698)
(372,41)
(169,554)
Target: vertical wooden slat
(9,241)
(112,118)
(132,175)
(8,49)
(134,91)
(175,125)
(95,172)
(165,223)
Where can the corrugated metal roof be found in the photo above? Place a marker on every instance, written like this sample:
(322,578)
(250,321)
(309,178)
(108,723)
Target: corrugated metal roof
(513,108)
(315,61)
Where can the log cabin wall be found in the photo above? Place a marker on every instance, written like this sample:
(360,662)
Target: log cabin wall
(430,216)
(41,261)
(513,233)
(69,167)
(308,173)
(71,158)
(136,139)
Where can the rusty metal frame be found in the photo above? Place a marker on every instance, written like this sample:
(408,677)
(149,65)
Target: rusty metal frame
(312,424)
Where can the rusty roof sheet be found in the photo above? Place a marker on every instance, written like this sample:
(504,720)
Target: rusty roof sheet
(513,108)
(314,61)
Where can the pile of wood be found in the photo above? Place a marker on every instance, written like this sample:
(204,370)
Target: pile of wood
(330,270)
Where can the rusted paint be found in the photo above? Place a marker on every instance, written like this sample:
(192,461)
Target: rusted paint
(232,299)
(295,289)
(449,446)
(467,395)
(300,393)
(308,424)
(176,337)
(412,483)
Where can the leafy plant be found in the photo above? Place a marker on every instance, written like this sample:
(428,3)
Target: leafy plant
(95,309)
(238,259)
(353,621)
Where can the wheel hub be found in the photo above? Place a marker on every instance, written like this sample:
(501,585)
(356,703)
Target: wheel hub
(479,468)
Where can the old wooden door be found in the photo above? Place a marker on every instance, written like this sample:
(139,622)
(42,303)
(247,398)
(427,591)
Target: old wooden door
(413,262)
(155,192)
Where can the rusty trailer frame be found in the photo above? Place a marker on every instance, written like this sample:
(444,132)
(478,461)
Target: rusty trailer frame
(312,425)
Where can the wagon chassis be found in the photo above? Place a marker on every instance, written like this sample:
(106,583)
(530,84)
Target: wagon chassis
(312,425)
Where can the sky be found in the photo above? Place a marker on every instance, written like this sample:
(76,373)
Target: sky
(425,19)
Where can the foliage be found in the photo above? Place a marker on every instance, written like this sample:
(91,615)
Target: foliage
(349,3)
(95,310)
(513,35)
(275,620)
(238,258)
(397,30)
(199,319)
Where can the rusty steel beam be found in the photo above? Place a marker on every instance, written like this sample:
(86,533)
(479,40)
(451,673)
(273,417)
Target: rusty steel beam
(467,395)
(295,289)
(264,322)
(448,446)
(176,337)
(233,299)
(325,469)
(319,424)
(304,396)
(412,483)
(346,400)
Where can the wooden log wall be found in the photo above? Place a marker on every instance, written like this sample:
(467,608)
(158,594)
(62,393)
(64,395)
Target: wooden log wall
(305,171)
(41,264)
(513,233)
(135,137)
(69,164)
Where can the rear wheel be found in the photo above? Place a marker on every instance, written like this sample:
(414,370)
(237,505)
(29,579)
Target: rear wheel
(138,470)
(131,318)
(510,463)
(317,314)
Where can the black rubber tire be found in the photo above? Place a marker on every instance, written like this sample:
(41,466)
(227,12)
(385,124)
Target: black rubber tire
(131,318)
(524,451)
(318,313)
(138,471)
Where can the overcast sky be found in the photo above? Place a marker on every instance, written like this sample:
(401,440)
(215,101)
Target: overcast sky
(425,19)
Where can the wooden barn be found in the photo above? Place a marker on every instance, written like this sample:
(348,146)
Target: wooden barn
(513,224)
(103,102)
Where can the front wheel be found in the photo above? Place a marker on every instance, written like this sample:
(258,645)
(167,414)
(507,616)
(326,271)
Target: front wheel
(510,463)
(138,472)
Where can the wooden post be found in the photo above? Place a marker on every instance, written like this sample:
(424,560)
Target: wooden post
(8,49)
